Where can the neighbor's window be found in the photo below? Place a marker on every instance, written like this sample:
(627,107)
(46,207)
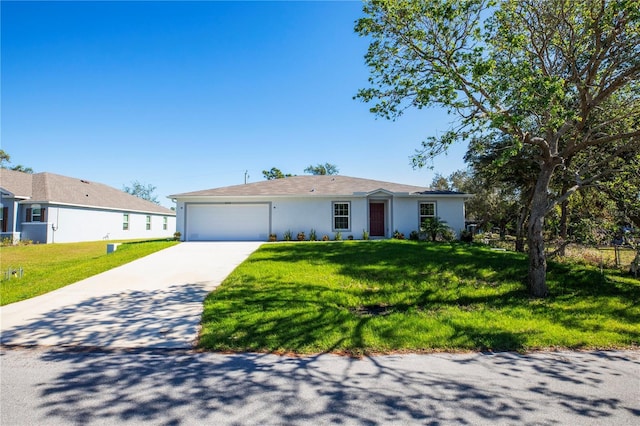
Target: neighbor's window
(125,222)
(164,223)
(341,216)
(148,223)
(36,214)
(427,210)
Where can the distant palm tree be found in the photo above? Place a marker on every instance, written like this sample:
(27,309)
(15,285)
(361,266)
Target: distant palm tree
(434,226)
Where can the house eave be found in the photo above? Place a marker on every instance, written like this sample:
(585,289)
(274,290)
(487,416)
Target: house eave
(89,206)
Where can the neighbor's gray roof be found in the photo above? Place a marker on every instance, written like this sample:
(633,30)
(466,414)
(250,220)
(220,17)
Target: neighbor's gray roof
(53,188)
(330,185)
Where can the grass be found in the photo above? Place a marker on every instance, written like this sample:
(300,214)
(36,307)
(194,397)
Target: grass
(48,267)
(394,296)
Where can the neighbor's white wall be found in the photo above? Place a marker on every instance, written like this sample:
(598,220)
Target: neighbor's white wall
(80,224)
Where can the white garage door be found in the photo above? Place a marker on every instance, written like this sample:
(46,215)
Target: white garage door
(227,222)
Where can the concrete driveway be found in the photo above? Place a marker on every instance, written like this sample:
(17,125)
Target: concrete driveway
(153,302)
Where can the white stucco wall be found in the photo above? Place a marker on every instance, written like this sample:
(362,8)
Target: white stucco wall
(296,214)
(75,224)
(299,215)
(407,213)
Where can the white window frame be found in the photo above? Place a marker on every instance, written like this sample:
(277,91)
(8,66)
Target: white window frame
(148,222)
(125,221)
(335,216)
(422,217)
(165,223)
(36,217)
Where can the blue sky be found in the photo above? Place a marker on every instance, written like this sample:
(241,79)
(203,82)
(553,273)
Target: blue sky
(189,96)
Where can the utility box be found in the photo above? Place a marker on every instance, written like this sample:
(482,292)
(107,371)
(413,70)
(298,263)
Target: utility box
(112,247)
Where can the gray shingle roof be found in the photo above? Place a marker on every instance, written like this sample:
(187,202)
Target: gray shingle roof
(322,185)
(53,188)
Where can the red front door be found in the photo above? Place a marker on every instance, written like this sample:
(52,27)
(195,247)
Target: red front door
(376,219)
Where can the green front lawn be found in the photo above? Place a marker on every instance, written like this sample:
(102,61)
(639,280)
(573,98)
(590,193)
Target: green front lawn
(50,266)
(385,296)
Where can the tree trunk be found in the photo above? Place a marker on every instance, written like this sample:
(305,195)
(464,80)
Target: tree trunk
(520,231)
(537,280)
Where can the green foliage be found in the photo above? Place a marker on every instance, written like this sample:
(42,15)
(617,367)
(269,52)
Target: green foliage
(337,236)
(5,159)
(48,267)
(313,236)
(141,190)
(434,227)
(556,84)
(322,169)
(287,236)
(365,234)
(466,236)
(385,296)
(275,173)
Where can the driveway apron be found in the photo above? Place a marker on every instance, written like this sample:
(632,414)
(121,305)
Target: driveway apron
(153,302)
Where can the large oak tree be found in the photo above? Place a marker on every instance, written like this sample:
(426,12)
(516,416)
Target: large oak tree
(559,77)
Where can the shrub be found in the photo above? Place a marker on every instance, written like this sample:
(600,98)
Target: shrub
(414,236)
(301,236)
(448,235)
(365,234)
(325,238)
(338,236)
(466,236)
(273,237)
(287,235)
(398,235)
(177,235)
(312,235)
(434,227)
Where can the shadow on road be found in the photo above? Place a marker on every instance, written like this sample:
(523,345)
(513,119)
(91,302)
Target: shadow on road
(172,388)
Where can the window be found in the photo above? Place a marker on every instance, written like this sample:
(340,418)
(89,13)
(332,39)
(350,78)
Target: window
(164,223)
(125,222)
(148,223)
(427,210)
(341,216)
(36,213)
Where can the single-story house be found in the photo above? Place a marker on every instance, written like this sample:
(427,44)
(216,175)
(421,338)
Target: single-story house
(326,203)
(50,208)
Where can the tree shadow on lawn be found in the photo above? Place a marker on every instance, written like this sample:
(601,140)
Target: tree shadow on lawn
(172,388)
(396,262)
(390,265)
(278,318)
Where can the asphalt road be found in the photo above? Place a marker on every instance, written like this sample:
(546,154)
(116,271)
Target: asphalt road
(165,387)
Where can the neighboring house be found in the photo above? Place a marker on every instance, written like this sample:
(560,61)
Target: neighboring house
(327,204)
(48,208)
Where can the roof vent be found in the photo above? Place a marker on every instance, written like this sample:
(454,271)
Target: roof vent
(84,181)
(313,190)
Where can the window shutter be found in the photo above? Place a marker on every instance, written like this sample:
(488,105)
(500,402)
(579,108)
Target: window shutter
(43,215)
(5,216)
(28,215)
